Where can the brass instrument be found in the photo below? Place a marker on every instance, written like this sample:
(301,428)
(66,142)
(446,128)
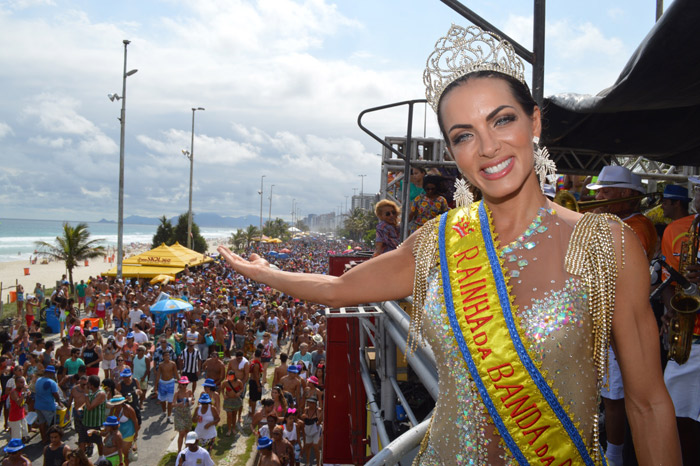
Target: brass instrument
(685,304)
(566,199)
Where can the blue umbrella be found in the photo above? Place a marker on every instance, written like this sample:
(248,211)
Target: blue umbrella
(171,306)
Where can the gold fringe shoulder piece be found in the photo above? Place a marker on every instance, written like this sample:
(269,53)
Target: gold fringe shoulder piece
(425,254)
(591,256)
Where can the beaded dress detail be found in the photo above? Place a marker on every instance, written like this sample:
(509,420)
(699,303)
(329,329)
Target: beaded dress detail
(552,309)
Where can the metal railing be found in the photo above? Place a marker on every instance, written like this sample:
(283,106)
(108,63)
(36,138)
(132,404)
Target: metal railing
(387,334)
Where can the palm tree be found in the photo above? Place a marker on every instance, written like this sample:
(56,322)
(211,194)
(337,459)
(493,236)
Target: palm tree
(238,239)
(250,233)
(72,247)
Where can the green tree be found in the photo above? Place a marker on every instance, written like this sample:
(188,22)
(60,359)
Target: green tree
(73,246)
(199,244)
(250,233)
(277,228)
(358,223)
(164,233)
(238,239)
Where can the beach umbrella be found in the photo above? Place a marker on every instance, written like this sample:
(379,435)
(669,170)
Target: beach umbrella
(358,248)
(285,250)
(162,278)
(171,306)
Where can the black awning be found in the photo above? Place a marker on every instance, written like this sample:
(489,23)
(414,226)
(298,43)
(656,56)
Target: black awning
(653,109)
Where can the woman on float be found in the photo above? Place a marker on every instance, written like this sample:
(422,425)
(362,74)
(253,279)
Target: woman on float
(514,294)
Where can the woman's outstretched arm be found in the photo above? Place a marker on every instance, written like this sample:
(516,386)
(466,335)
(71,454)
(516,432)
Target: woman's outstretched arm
(383,278)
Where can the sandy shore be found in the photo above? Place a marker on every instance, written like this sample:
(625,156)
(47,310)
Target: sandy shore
(48,274)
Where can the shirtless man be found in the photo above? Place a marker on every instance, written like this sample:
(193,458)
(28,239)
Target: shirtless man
(281,446)
(267,409)
(214,369)
(292,383)
(239,332)
(78,395)
(64,351)
(241,367)
(281,370)
(166,376)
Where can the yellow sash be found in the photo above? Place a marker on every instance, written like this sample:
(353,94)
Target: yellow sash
(534,426)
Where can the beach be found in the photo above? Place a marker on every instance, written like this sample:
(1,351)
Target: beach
(47,274)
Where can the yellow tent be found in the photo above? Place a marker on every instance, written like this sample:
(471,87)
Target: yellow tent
(162,256)
(191,257)
(146,271)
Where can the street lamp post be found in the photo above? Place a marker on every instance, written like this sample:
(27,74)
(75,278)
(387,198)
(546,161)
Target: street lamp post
(122,122)
(293,201)
(261,203)
(362,190)
(269,214)
(190,155)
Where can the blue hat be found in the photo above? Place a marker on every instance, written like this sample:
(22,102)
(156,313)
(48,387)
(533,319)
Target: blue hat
(676,193)
(264,442)
(130,335)
(111,421)
(50,369)
(293,369)
(125,373)
(243,313)
(209,383)
(117,400)
(204,398)
(14,445)
(95,329)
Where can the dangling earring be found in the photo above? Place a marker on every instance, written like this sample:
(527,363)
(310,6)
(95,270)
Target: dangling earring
(544,166)
(463,195)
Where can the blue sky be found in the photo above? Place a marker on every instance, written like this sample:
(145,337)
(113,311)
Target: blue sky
(282,82)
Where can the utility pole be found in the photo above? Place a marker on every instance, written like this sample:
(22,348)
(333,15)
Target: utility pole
(261,203)
(269,214)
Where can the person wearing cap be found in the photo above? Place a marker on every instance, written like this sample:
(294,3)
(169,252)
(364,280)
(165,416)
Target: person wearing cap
(267,456)
(113,448)
(193,454)
(210,388)
(206,417)
(92,356)
(14,454)
(615,182)
(291,383)
(134,314)
(313,421)
(129,424)
(46,399)
(682,381)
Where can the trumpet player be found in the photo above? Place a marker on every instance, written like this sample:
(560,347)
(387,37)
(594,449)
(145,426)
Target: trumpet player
(620,183)
(683,381)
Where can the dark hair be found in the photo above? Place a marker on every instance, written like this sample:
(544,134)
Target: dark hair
(521,93)
(55,430)
(284,357)
(94,381)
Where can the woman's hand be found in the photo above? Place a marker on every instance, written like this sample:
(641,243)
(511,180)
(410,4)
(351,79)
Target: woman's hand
(251,268)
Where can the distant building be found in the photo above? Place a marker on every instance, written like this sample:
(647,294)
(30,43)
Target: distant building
(364,202)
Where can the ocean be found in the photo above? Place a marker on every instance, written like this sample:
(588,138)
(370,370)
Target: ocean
(17,236)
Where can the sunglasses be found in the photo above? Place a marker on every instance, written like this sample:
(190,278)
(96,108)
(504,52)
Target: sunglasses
(390,213)
(427,190)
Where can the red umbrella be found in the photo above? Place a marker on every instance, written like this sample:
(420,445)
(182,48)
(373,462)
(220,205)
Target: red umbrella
(285,251)
(358,248)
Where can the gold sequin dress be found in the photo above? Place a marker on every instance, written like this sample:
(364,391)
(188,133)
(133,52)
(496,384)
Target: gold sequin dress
(553,309)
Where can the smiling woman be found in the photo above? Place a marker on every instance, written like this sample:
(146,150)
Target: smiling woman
(514,294)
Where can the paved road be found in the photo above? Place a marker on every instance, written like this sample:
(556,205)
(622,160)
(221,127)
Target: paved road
(154,438)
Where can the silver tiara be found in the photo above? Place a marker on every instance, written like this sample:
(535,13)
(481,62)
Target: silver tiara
(464,51)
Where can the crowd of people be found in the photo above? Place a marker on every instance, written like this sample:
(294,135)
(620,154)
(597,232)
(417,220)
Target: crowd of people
(245,356)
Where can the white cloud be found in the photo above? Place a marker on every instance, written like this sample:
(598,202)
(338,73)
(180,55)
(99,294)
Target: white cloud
(103,193)
(23,4)
(5,130)
(53,143)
